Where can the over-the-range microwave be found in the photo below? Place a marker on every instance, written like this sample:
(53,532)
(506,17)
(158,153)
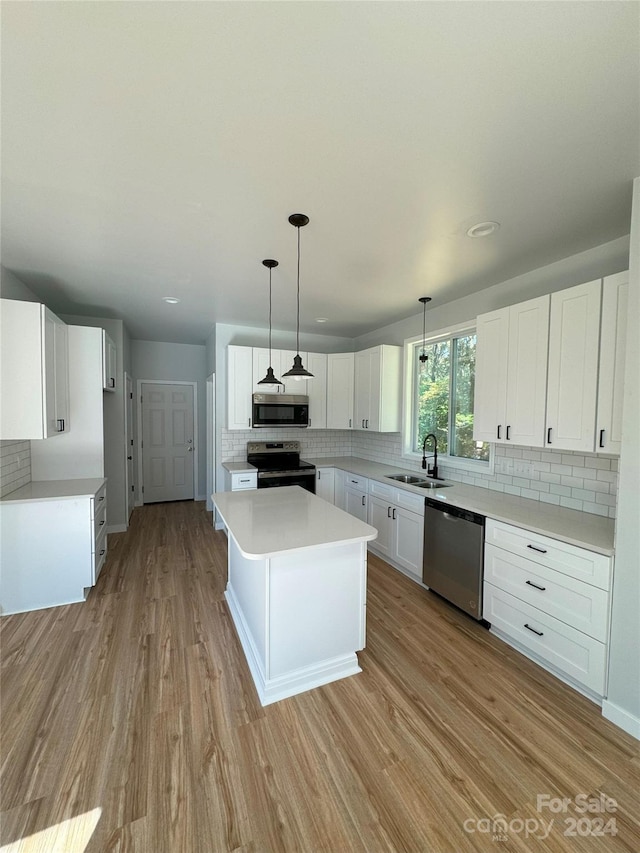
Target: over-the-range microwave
(280,410)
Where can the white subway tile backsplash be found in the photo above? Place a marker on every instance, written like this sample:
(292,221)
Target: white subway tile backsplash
(15,465)
(587,482)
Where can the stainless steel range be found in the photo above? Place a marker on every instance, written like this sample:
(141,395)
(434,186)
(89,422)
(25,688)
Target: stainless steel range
(279,464)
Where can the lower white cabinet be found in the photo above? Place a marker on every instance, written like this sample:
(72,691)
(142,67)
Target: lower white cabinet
(238,481)
(54,543)
(339,488)
(551,600)
(398,516)
(325,484)
(355,496)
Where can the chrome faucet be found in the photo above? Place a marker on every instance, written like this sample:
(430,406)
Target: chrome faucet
(433,470)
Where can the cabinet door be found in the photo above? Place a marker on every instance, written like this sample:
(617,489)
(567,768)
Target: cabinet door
(260,359)
(573,367)
(325,480)
(339,488)
(290,384)
(362,390)
(56,375)
(109,361)
(408,540)
(239,387)
(379,516)
(613,340)
(527,372)
(340,369)
(317,389)
(356,503)
(490,397)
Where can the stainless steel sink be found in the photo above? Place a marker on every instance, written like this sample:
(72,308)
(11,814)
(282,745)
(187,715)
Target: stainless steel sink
(432,484)
(409,479)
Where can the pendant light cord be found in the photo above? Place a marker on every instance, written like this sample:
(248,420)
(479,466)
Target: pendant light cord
(424,317)
(270,362)
(298,297)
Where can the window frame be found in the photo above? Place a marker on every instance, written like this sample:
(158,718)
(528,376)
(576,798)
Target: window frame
(409,415)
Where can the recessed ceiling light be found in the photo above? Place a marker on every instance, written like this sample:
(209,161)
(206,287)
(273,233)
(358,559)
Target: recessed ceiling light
(483,229)
(172,300)
(322,319)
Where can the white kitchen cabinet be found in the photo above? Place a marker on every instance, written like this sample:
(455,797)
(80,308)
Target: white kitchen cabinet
(53,545)
(340,376)
(34,371)
(316,363)
(356,496)
(378,388)
(551,600)
(573,367)
(82,449)
(281,361)
(511,374)
(239,387)
(339,488)
(398,516)
(613,339)
(109,363)
(325,484)
(240,481)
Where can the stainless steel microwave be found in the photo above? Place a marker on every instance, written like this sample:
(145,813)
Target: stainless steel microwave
(280,410)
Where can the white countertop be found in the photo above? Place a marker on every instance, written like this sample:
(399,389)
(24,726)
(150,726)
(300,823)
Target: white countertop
(270,522)
(239,467)
(51,490)
(583,529)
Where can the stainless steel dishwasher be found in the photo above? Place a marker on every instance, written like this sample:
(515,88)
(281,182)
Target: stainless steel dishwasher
(453,564)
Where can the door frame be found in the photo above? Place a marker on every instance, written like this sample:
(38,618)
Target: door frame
(129,430)
(210,455)
(194,385)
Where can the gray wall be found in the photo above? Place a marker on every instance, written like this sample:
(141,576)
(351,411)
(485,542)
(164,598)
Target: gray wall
(11,287)
(600,261)
(623,701)
(175,363)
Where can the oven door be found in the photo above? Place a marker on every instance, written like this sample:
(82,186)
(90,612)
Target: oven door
(273,479)
(283,411)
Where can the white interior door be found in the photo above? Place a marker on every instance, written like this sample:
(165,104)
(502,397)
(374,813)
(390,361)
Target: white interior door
(128,413)
(167,442)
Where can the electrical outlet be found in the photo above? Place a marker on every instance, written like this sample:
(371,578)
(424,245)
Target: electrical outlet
(523,468)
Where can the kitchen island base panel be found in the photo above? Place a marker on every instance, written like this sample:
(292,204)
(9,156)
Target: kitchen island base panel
(300,616)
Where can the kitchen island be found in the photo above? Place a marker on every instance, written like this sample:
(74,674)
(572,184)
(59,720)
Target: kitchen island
(296,587)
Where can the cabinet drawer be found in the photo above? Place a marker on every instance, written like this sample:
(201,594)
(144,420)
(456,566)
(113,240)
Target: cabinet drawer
(353,481)
(576,562)
(100,522)
(570,651)
(573,602)
(380,490)
(99,555)
(414,503)
(100,500)
(240,481)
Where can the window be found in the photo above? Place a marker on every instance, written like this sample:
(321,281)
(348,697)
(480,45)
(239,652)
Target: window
(442,397)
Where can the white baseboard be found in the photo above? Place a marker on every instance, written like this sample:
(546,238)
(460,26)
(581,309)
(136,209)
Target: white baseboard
(621,718)
(116,528)
(139,503)
(200,498)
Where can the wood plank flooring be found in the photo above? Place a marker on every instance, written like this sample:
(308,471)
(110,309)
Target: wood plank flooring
(139,704)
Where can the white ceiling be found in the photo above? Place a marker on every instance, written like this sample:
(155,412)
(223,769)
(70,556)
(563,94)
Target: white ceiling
(157,148)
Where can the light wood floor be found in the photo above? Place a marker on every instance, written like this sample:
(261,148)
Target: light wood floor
(139,703)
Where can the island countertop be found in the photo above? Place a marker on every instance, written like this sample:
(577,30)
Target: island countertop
(271,522)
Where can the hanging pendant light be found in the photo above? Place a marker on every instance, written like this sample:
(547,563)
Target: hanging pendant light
(423,357)
(298,371)
(270,378)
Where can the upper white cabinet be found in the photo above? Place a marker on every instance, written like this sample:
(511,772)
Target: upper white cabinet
(281,361)
(613,338)
(340,390)
(239,387)
(573,367)
(378,389)
(316,363)
(34,371)
(109,363)
(511,374)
